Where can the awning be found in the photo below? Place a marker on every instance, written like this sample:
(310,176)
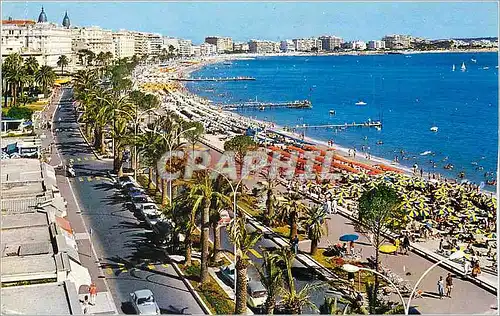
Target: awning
(78,275)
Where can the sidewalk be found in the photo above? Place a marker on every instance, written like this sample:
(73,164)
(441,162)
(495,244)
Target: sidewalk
(105,303)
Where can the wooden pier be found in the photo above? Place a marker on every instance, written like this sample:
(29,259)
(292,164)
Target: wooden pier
(339,126)
(305,104)
(216,79)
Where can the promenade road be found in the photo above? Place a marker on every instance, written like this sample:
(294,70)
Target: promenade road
(123,243)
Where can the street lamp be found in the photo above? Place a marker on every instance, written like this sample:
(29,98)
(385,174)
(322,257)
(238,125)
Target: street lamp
(352,268)
(235,209)
(136,122)
(170,144)
(456,255)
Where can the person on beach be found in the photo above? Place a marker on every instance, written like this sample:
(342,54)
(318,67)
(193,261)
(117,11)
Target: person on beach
(440,286)
(449,285)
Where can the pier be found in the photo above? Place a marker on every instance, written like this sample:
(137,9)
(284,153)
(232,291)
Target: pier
(216,79)
(304,104)
(345,125)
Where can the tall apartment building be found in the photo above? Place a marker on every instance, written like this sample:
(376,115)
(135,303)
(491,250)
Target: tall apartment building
(355,45)
(240,47)
(307,44)
(185,47)
(263,47)
(208,49)
(168,42)
(124,44)
(330,43)
(223,44)
(141,43)
(397,41)
(43,40)
(93,38)
(287,46)
(155,43)
(376,45)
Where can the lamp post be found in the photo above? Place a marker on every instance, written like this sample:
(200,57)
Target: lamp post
(170,144)
(235,210)
(456,255)
(352,268)
(136,122)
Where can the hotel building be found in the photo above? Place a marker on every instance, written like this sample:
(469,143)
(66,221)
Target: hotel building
(263,47)
(397,41)
(376,45)
(287,46)
(307,44)
(124,44)
(330,43)
(223,44)
(93,38)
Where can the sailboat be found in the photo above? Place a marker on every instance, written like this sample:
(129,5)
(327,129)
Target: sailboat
(463,68)
(453,68)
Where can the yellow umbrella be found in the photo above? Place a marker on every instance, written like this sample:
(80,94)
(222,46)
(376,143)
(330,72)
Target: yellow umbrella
(388,248)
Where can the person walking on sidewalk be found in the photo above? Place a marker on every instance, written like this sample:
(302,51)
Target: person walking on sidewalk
(85,304)
(449,285)
(93,293)
(440,286)
(406,244)
(295,244)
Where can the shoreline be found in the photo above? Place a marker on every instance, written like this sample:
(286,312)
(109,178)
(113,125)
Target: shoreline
(250,121)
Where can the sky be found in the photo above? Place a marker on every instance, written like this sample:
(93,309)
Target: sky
(274,20)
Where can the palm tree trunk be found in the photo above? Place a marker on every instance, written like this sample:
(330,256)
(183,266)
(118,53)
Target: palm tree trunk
(293,225)
(120,163)
(103,144)
(164,193)
(204,242)
(269,207)
(188,242)
(217,242)
(270,304)
(158,180)
(241,287)
(314,246)
(150,177)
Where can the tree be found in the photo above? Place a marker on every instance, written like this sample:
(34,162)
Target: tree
(62,62)
(272,278)
(240,144)
(268,189)
(31,65)
(45,77)
(376,209)
(243,241)
(293,301)
(193,136)
(13,72)
(315,223)
(291,208)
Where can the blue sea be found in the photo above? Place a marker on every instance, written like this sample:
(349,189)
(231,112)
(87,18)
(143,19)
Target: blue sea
(409,93)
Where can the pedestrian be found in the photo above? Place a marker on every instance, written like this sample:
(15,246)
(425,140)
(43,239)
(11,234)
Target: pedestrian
(351,247)
(421,173)
(396,244)
(440,286)
(441,244)
(295,244)
(466,267)
(406,244)
(85,304)
(449,285)
(93,293)
(329,206)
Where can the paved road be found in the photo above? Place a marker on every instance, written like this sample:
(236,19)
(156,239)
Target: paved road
(122,242)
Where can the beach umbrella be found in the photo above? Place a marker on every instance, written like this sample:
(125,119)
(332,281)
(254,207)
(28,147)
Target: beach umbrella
(349,237)
(387,248)
(492,235)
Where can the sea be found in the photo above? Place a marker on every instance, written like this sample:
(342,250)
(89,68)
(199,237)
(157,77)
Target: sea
(408,93)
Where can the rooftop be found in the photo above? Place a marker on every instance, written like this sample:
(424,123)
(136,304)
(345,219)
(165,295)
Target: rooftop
(42,299)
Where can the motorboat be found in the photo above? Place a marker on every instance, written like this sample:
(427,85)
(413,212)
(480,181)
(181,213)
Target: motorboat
(486,68)
(378,128)
(434,129)
(332,112)
(360,103)
(262,108)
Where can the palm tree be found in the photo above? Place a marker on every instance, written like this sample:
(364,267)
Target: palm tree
(45,77)
(13,72)
(291,208)
(268,189)
(315,223)
(31,66)
(271,277)
(243,241)
(293,301)
(62,62)
(147,144)
(203,193)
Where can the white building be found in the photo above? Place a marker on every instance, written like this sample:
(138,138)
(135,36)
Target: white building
(185,47)
(208,49)
(307,44)
(43,40)
(355,45)
(155,43)
(93,38)
(223,44)
(330,43)
(397,41)
(287,46)
(170,41)
(195,50)
(124,44)
(263,47)
(376,45)
(241,47)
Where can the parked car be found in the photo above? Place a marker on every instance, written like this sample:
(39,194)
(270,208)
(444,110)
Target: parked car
(224,218)
(138,200)
(132,191)
(148,209)
(257,294)
(125,180)
(153,219)
(144,303)
(227,274)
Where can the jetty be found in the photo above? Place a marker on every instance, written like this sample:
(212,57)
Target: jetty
(304,104)
(216,79)
(338,126)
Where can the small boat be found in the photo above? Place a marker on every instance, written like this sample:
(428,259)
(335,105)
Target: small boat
(332,112)
(227,63)
(434,129)
(473,60)
(453,68)
(378,128)
(262,108)
(379,142)
(448,166)
(425,153)
(360,103)
(463,68)
(486,68)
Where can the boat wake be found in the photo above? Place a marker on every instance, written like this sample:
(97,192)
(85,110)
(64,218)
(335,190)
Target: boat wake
(425,153)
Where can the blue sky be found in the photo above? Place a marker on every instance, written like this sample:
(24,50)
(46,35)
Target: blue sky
(275,20)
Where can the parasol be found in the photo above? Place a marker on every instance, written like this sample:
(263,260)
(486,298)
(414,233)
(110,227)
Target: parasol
(349,237)
(387,248)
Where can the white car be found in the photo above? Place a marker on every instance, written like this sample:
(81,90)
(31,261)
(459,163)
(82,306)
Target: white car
(144,302)
(149,209)
(153,219)
(140,200)
(256,294)
(126,179)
